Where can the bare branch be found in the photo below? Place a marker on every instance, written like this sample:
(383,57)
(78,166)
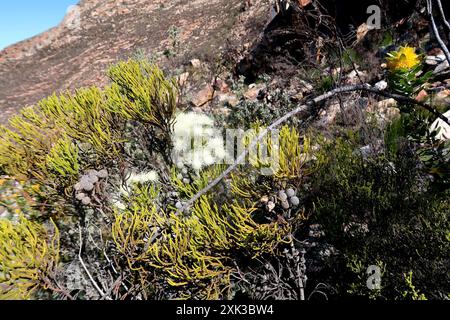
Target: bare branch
(102,294)
(436,31)
(441,10)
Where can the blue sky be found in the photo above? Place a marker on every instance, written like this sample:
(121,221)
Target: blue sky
(21,19)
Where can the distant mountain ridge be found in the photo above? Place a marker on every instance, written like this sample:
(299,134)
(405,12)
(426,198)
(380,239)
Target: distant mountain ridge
(73,55)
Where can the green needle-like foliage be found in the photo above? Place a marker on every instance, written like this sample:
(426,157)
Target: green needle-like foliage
(194,251)
(28,257)
(43,142)
(141,92)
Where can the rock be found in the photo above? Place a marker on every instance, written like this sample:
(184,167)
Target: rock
(356,77)
(182,79)
(254,90)
(381,85)
(435,52)
(432,61)
(179,205)
(221,85)
(3,213)
(365,151)
(387,103)
(196,63)
(298,88)
(227,99)
(304,3)
(336,71)
(422,96)
(128,24)
(442,97)
(328,115)
(203,96)
(441,67)
(384,110)
(362,31)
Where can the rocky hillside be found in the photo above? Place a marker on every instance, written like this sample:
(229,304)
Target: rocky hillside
(77,52)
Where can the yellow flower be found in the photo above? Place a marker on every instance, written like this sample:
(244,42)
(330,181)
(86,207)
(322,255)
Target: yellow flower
(404,58)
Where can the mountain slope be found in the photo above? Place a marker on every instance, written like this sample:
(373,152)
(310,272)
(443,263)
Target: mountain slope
(70,56)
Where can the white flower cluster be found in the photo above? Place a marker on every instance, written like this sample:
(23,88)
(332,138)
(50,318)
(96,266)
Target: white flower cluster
(142,177)
(197,143)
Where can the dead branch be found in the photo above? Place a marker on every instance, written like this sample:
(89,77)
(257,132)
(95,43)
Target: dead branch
(436,31)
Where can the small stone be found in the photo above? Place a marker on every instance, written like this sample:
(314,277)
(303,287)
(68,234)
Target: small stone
(184,171)
(295,201)
(196,63)
(86,201)
(422,95)
(265,199)
(443,97)
(387,103)
(366,151)
(290,192)
(270,206)
(182,79)
(254,91)
(432,61)
(382,85)
(227,99)
(77,187)
(441,67)
(204,96)
(221,85)
(186,181)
